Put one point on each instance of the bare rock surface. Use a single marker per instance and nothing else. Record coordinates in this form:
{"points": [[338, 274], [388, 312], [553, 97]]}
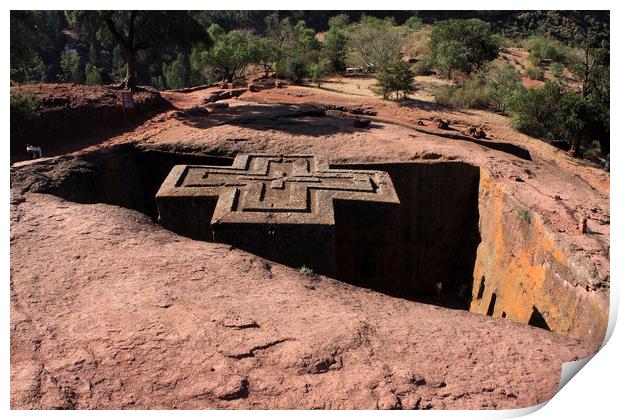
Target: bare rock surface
{"points": [[119, 313], [109, 310]]}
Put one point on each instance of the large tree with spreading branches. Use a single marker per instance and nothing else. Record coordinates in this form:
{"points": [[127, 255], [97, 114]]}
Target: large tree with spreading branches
{"points": [[136, 30]]}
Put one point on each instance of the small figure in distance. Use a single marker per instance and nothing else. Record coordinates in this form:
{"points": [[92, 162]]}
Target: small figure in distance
{"points": [[438, 287], [34, 151]]}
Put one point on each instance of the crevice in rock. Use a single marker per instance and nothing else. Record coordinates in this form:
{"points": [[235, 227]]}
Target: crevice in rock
{"points": [[491, 308], [538, 320]]}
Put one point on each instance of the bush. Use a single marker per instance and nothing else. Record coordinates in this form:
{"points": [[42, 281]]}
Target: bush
{"points": [[306, 271], [319, 70], [535, 73], [414, 23], [424, 67], [557, 70], [545, 48], [524, 215], [296, 68], [396, 76], [24, 106], [30, 72], [93, 77], [467, 95], [496, 86], [71, 67], [556, 113]]}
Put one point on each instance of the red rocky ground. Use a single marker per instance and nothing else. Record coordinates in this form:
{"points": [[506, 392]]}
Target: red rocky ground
{"points": [[109, 310]]}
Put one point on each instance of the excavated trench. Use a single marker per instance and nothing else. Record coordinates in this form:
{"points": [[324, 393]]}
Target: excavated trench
{"points": [[459, 243]]}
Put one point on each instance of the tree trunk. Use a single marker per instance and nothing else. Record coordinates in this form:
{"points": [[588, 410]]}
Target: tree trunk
{"points": [[575, 147], [131, 79]]}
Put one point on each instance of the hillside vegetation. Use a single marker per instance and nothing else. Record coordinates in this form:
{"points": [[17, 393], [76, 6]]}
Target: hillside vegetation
{"points": [[559, 93]]}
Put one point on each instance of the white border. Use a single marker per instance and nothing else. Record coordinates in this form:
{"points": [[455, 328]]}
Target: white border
{"points": [[592, 394]]}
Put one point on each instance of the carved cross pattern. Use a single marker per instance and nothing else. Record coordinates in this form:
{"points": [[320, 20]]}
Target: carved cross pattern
{"points": [[277, 189]]}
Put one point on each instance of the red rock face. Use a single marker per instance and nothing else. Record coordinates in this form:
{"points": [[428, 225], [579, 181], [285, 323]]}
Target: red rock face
{"points": [[118, 312], [110, 310]]}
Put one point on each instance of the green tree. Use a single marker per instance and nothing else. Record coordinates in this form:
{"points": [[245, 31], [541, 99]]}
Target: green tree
{"points": [[231, 53], [295, 47], [280, 33], [176, 74], [591, 67], [138, 31], [335, 44], [396, 76], [373, 43], [319, 70], [196, 66], [36, 44], [449, 56], [462, 45], [93, 76], [71, 67], [266, 54]]}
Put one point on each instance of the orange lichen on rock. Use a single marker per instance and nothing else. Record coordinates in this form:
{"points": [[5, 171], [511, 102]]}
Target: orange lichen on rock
{"points": [[522, 274]]}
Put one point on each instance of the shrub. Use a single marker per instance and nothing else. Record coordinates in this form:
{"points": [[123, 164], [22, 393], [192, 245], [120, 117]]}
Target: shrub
{"points": [[545, 48], [556, 113], [468, 95], [396, 76], [306, 271], [24, 106], [93, 77], [535, 73], [524, 215], [414, 23], [296, 68], [70, 67], [319, 70], [557, 70], [424, 67], [496, 86]]}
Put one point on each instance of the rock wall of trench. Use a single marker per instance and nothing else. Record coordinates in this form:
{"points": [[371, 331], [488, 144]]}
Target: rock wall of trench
{"points": [[457, 226], [524, 274]]}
